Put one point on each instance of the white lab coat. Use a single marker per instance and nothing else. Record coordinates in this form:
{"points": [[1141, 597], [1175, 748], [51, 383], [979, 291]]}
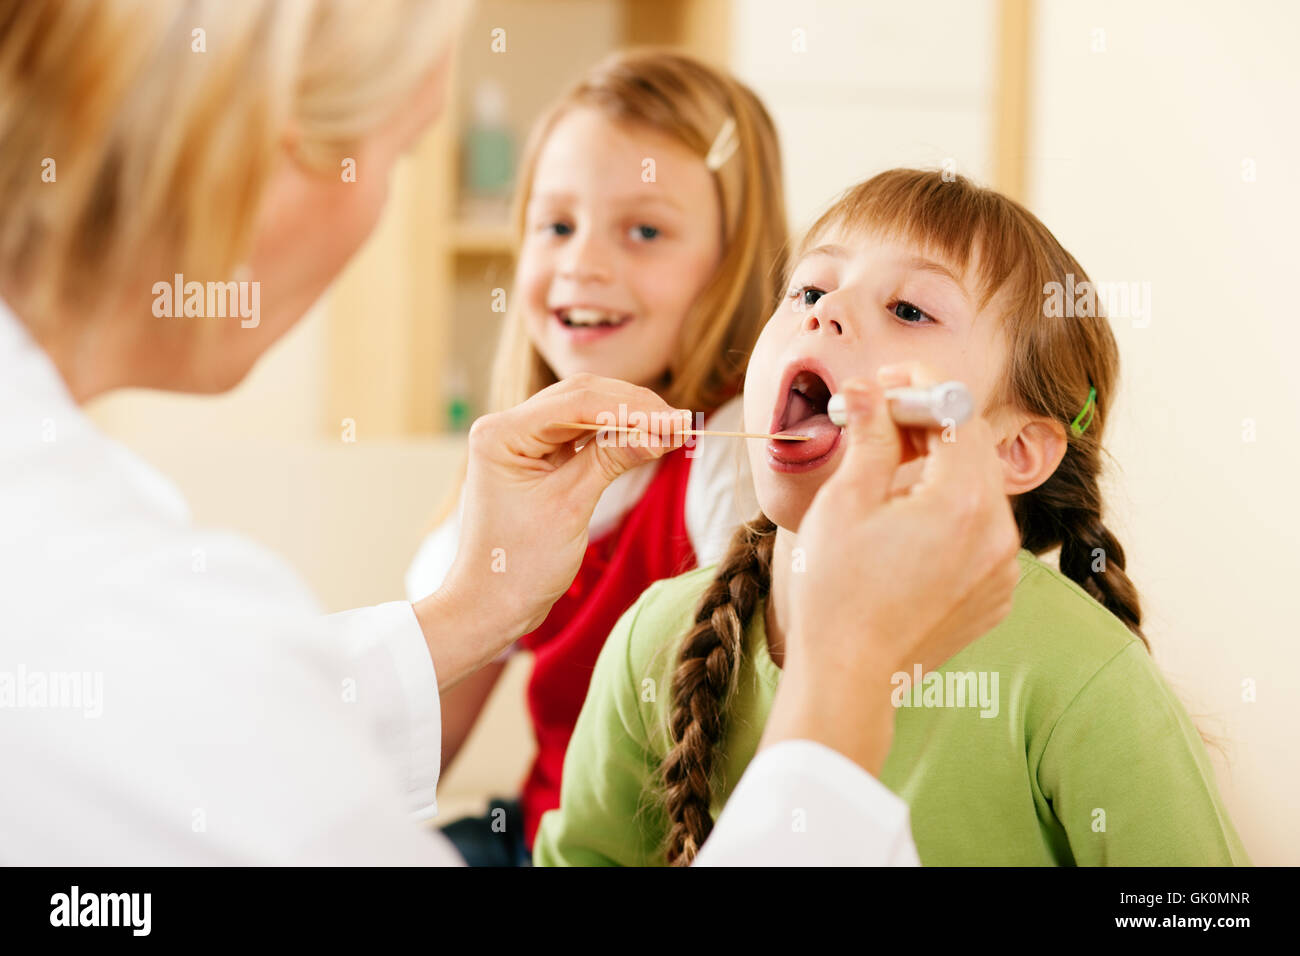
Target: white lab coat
{"points": [[173, 695]]}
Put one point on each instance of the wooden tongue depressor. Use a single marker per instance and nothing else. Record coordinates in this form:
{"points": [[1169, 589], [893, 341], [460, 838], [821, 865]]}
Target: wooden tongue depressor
{"points": [[688, 431], [935, 406]]}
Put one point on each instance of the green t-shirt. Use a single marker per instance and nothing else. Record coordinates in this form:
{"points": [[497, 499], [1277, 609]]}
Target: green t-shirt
{"points": [[1085, 756]]}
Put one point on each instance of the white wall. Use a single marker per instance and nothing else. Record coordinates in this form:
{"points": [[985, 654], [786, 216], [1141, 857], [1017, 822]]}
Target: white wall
{"points": [[1137, 166], [1136, 163], [875, 85], [283, 397]]}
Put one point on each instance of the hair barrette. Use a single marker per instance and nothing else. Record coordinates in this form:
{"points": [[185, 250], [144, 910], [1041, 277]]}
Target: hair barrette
{"points": [[1078, 426], [724, 144]]}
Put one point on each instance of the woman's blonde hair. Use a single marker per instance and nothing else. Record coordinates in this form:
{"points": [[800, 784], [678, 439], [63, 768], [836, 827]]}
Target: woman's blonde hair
{"points": [[690, 102], [136, 128], [1056, 368]]}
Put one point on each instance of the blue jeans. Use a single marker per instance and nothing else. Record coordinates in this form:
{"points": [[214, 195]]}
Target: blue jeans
{"points": [[495, 839]]}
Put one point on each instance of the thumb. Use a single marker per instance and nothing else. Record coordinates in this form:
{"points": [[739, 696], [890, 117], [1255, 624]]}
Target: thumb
{"points": [[875, 445], [609, 455]]}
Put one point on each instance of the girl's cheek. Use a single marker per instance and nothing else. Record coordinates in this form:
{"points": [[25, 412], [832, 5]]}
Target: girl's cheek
{"points": [[768, 341], [668, 285], [653, 289], [759, 373], [761, 379], [532, 281]]}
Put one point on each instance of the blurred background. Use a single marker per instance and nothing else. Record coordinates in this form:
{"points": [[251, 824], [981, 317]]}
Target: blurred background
{"points": [[1152, 138]]}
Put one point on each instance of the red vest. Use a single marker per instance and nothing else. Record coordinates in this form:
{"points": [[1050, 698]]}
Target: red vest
{"points": [[650, 543]]}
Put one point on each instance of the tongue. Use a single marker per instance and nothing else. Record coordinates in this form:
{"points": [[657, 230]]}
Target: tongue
{"points": [[819, 429], [799, 408]]}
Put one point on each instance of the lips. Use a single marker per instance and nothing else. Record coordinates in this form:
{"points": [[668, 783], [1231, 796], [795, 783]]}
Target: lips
{"points": [[801, 410]]}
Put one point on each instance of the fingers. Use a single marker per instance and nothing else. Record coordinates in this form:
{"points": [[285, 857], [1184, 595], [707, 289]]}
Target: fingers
{"points": [[592, 470], [962, 486], [962, 471], [908, 373], [530, 429], [606, 455], [912, 373], [875, 445], [960, 461]]}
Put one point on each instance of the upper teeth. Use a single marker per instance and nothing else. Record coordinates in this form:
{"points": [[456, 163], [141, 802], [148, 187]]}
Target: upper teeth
{"points": [[590, 317], [803, 386]]}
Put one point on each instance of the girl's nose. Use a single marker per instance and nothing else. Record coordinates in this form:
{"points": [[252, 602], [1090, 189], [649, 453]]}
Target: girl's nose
{"points": [[815, 324], [585, 260], [826, 318]]}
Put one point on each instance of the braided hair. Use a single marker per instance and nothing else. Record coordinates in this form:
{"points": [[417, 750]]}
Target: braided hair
{"points": [[704, 681]]}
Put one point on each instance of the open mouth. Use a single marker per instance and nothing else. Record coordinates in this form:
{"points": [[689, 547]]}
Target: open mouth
{"points": [[590, 320], [801, 410]]}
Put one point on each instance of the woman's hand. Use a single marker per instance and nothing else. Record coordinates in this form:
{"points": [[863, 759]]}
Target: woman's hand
{"points": [[891, 581], [529, 496]]}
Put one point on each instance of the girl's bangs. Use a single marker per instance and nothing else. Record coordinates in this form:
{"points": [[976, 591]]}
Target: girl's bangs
{"points": [[953, 221]]}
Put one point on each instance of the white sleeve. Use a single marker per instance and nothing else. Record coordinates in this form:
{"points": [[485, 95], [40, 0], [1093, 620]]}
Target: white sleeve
{"points": [[207, 712], [231, 725], [387, 651], [801, 803], [720, 490]]}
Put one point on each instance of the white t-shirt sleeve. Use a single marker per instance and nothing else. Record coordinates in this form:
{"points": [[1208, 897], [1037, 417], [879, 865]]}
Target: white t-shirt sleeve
{"points": [[800, 803], [720, 490], [434, 558]]}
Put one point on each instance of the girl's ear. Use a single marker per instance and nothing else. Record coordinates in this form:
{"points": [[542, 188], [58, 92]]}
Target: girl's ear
{"points": [[1030, 453]]}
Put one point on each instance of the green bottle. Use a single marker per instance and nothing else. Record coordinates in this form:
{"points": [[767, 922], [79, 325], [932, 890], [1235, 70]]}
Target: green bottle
{"points": [[489, 146]]}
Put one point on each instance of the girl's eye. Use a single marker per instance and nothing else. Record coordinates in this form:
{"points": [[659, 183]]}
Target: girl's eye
{"points": [[909, 313], [644, 232], [558, 228], [806, 295]]}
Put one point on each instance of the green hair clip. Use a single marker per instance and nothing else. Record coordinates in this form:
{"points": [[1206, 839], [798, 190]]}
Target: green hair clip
{"points": [[1089, 407]]}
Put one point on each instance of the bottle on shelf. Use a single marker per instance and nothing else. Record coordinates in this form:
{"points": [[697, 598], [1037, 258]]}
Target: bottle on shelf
{"points": [[488, 157]]}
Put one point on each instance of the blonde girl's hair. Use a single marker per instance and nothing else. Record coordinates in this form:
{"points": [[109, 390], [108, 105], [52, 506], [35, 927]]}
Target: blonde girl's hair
{"points": [[1052, 366], [137, 131], [692, 102]]}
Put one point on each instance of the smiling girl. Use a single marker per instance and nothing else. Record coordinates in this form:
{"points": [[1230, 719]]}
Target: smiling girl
{"points": [[650, 217], [1085, 756]]}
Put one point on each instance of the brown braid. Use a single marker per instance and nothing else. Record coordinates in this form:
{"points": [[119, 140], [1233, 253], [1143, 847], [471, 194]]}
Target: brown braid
{"points": [[1066, 510], [704, 681]]}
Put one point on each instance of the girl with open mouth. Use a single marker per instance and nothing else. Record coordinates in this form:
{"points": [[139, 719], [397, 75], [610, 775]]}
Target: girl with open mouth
{"points": [[1087, 756]]}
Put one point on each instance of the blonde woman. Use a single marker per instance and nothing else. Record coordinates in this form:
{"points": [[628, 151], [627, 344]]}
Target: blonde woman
{"points": [[211, 728]]}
